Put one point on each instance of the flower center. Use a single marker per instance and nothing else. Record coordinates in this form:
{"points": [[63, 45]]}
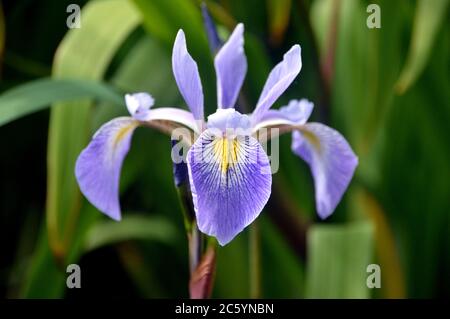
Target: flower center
{"points": [[226, 152]]}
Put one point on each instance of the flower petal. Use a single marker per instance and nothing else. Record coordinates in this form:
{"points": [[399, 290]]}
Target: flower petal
{"points": [[230, 183], [297, 112], [187, 77], [98, 166], [231, 67], [229, 120], [139, 104], [278, 81], [332, 163], [175, 116]]}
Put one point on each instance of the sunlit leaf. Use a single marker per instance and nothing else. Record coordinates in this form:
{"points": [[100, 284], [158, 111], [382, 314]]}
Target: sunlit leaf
{"points": [[84, 53], [320, 15], [338, 259]]}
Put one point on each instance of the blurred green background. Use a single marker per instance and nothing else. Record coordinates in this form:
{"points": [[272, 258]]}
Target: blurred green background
{"points": [[386, 90]]}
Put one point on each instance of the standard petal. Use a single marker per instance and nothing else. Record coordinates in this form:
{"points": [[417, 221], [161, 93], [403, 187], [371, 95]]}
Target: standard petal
{"points": [[231, 67], [187, 77], [230, 183], [332, 163], [98, 166], [297, 112], [278, 81]]}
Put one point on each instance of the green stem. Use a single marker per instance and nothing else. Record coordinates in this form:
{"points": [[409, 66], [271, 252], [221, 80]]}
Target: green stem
{"points": [[195, 247], [255, 261], [195, 238]]}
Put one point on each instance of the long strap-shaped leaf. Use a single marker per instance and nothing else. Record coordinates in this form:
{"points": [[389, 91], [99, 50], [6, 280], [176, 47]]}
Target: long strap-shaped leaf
{"points": [[84, 53], [428, 20], [37, 95], [338, 260]]}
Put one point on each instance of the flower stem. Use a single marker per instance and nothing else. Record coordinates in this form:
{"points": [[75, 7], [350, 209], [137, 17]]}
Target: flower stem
{"points": [[255, 261], [195, 247], [202, 278], [195, 237]]}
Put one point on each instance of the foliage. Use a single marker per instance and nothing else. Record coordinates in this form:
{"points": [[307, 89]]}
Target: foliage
{"points": [[388, 92]]}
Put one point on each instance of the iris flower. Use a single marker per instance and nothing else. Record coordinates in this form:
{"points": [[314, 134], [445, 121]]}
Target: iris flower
{"points": [[230, 189]]}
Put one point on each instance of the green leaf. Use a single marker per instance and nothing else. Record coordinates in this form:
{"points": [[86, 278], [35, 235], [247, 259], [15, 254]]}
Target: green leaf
{"points": [[280, 11], [84, 53], [162, 19], [2, 30], [321, 16], [46, 277], [415, 192], [130, 228], [338, 259], [37, 95], [430, 14], [43, 278], [282, 271], [232, 264], [148, 68]]}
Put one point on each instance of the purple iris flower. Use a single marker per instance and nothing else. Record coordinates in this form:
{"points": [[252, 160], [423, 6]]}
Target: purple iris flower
{"points": [[230, 189]]}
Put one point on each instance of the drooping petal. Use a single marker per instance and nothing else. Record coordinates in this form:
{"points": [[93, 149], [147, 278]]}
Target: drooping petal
{"points": [[139, 104], [331, 160], [278, 81], [231, 67], [297, 112], [98, 166], [187, 77], [230, 183]]}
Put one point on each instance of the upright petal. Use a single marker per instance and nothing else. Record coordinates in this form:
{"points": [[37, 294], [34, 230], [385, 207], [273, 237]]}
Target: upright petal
{"points": [[98, 166], [278, 81], [231, 67], [230, 183], [187, 77], [297, 112], [332, 163]]}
